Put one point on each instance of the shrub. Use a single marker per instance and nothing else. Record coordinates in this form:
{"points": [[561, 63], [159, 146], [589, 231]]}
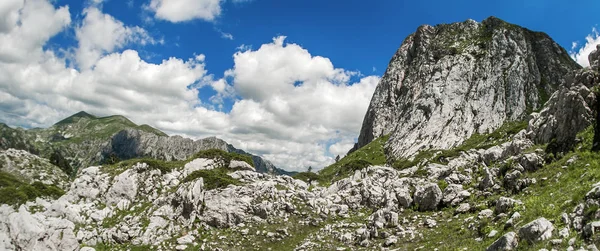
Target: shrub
{"points": [[227, 157]]}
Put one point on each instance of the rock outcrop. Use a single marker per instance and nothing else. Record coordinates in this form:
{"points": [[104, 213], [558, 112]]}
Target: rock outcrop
{"points": [[448, 82]]}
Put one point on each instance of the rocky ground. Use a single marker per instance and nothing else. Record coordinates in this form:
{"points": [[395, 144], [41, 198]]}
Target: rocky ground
{"points": [[501, 197]]}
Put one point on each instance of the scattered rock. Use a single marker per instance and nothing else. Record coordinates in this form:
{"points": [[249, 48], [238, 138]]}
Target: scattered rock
{"points": [[508, 241], [428, 196], [537, 230]]}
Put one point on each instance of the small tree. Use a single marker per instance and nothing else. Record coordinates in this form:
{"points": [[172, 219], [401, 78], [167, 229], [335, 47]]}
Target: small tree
{"points": [[310, 169], [337, 158]]}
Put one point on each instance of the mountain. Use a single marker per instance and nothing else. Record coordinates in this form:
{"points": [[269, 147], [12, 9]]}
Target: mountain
{"points": [[450, 81], [530, 183], [83, 139]]}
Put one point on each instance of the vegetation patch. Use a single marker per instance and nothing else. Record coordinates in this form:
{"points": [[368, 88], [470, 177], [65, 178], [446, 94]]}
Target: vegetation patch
{"points": [[371, 154], [15, 192], [214, 178], [226, 157]]}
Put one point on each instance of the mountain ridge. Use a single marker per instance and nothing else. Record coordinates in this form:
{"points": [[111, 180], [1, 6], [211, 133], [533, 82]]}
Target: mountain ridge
{"points": [[83, 139]]}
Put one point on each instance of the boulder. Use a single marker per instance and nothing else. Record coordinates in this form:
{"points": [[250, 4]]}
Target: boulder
{"points": [[241, 165], [537, 230], [504, 204], [508, 241], [454, 194], [428, 196]]}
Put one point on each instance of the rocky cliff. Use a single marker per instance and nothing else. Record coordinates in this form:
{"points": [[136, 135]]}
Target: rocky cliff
{"points": [[448, 82]]}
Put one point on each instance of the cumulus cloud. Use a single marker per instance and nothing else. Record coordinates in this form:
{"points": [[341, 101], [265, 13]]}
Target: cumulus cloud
{"points": [[25, 26], [581, 55], [287, 105], [185, 10], [289, 95], [100, 33]]}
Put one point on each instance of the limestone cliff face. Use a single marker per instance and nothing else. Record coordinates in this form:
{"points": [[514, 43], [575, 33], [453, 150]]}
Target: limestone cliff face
{"points": [[449, 81]]}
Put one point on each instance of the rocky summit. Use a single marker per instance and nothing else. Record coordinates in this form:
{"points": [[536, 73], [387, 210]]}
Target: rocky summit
{"points": [[450, 81], [480, 136]]}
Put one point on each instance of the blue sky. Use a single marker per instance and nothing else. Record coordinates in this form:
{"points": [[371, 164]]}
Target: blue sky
{"points": [[355, 35], [289, 80]]}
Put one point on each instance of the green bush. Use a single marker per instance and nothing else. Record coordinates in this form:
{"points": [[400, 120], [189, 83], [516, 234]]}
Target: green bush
{"points": [[227, 157], [214, 178], [307, 177]]}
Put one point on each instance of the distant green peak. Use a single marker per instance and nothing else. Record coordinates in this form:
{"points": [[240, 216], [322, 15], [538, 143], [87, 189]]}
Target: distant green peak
{"points": [[74, 117]]}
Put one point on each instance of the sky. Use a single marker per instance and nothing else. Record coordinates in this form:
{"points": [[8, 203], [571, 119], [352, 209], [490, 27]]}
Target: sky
{"points": [[289, 80]]}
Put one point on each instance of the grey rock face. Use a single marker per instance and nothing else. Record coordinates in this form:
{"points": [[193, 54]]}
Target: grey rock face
{"points": [[131, 143], [594, 59], [508, 241], [454, 194], [428, 196], [537, 230], [447, 82], [568, 111], [504, 204]]}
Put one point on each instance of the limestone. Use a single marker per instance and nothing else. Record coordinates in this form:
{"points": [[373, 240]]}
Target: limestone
{"points": [[568, 111], [594, 59], [441, 87], [537, 230], [454, 194], [508, 241], [428, 196], [504, 204]]}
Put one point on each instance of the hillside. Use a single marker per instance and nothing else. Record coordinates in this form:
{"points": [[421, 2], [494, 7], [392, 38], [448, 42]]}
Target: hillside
{"points": [[83, 139]]}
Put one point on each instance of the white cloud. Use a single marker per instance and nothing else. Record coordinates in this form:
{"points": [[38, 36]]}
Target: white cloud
{"points": [[341, 148], [101, 33], [25, 26], [291, 96], [224, 35], [581, 55], [185, 10], [288, 105]]}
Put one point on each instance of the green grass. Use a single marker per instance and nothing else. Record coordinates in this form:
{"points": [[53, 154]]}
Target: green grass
{"points": [[213, 178], [168, 166], [227, 157], [15, 192], [371, 154]]}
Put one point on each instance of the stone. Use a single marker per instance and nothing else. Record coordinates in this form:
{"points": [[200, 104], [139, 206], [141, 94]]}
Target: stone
{"points": [[404, 198], [463, 208], [241, 165], [488, 179], [537, 230], [454, 194], [531, 162], [504, 204], [492, 234], [428, 196], [591, 228], [391, 240], [508, 241], [486, 213]]}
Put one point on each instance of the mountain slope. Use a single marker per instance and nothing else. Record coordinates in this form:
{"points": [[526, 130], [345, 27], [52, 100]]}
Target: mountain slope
{"points": [[448, 82], [83, 139]]}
